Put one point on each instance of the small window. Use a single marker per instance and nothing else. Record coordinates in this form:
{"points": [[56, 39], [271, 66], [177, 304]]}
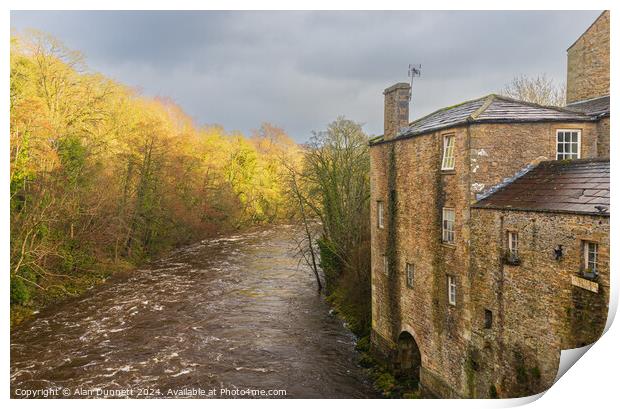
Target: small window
{"points": [[386, 265], [513, 244], [448, 225], [590, 252], [447, 163], [488, 319], [409, 270], [380, 214], [452, 290], [568, 144]]}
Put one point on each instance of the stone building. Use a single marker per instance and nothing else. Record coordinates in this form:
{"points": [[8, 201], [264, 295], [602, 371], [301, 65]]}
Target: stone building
{"points": [[468, 275], [539, 274], [587, 73]]}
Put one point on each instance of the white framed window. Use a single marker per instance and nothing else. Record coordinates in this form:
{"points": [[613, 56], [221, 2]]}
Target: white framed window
{"points": [[447, 235], [447, 162], [409, 270], [452, 290], [568, 144], [380, 214], [513, 243], [386, 265], [590, 253]]}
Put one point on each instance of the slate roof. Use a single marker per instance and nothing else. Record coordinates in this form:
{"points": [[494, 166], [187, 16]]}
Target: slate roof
{"points": [[490, 108], [443, 118], [571, 186], [596, 106]]}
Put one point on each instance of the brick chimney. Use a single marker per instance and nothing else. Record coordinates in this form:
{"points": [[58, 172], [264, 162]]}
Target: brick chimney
{"points": [[396, 112]]}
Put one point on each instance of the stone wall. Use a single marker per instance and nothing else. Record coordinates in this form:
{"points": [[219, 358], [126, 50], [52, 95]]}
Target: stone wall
{"points": [[495, 155], [603, 138], [537, 309], [588, 63]]}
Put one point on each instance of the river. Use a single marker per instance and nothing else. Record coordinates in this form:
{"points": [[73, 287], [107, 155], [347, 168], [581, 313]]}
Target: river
{"points": [[225, 317]]}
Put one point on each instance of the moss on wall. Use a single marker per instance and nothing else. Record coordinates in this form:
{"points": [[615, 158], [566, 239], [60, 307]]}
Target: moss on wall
{"points": [[391, 251], [587, 315]]}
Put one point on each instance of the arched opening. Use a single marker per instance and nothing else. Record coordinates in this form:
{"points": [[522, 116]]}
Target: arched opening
{"points": [[409, 359]]}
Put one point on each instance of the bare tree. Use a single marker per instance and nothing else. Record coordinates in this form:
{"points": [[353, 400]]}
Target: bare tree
{"points": [[305, 246], [332, 188], [539, 90]]}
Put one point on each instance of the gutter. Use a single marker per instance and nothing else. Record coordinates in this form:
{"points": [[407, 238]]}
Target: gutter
{"points": [[525, 209]]}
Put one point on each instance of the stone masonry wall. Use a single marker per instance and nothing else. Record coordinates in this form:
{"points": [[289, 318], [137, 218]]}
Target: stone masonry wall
{"points": [[603, 138], [439, 329], [536, 308], [588, 63], [495, 155]]}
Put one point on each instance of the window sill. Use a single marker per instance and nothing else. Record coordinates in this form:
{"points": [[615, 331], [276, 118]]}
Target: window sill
{"points": [[512, 263], [592, 276], [448, 245], [448, 172]]}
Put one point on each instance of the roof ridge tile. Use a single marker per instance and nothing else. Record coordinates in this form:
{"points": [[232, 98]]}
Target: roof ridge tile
{"points": [[488, 101]]}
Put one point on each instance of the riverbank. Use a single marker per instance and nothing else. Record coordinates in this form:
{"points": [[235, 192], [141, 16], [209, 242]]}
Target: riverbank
{"points": [[63, 288], [381, 376]]}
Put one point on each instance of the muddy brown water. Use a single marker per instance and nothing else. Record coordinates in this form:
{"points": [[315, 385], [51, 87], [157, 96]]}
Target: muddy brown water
{"points": [[232, 315]]}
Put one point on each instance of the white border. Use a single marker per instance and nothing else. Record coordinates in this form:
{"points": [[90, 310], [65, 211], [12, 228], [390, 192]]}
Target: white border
{"points": [[592, 382]]}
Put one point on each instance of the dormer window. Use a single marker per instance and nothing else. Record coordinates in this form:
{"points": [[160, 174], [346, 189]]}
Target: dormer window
{"points": [[447, 163], [568, 144]]}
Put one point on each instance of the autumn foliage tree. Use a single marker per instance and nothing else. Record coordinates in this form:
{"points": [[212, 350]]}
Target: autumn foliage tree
{"points": [[103, 177]]}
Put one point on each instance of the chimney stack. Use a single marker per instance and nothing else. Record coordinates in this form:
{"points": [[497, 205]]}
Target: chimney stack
{"points": [[396, 112]]}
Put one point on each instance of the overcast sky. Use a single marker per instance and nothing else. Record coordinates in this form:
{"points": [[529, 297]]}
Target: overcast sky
{"points": [[300, 70]]}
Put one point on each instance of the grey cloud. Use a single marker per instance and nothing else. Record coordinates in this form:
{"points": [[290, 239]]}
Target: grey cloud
{"points": [[302, 69]]}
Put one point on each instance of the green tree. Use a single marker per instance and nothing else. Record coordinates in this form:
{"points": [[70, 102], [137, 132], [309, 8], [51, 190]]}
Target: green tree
{"points": [[333, 187]]}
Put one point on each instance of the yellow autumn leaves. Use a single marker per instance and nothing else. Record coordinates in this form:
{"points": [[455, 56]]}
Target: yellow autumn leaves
{"points": [[100, 174]]}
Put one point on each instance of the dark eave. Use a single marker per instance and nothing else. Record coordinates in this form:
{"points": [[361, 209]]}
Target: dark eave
{"points": [[598, 107]]}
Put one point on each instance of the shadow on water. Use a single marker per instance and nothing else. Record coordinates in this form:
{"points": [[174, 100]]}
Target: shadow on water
{"points": [[234, 312]]}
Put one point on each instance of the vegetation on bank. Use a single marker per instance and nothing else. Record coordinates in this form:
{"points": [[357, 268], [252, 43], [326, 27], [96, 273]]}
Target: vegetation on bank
{"points": [[103, 178], [332, 185]]}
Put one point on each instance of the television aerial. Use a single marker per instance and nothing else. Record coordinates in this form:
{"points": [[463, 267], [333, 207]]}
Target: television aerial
{"points": [[415, 70]]}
